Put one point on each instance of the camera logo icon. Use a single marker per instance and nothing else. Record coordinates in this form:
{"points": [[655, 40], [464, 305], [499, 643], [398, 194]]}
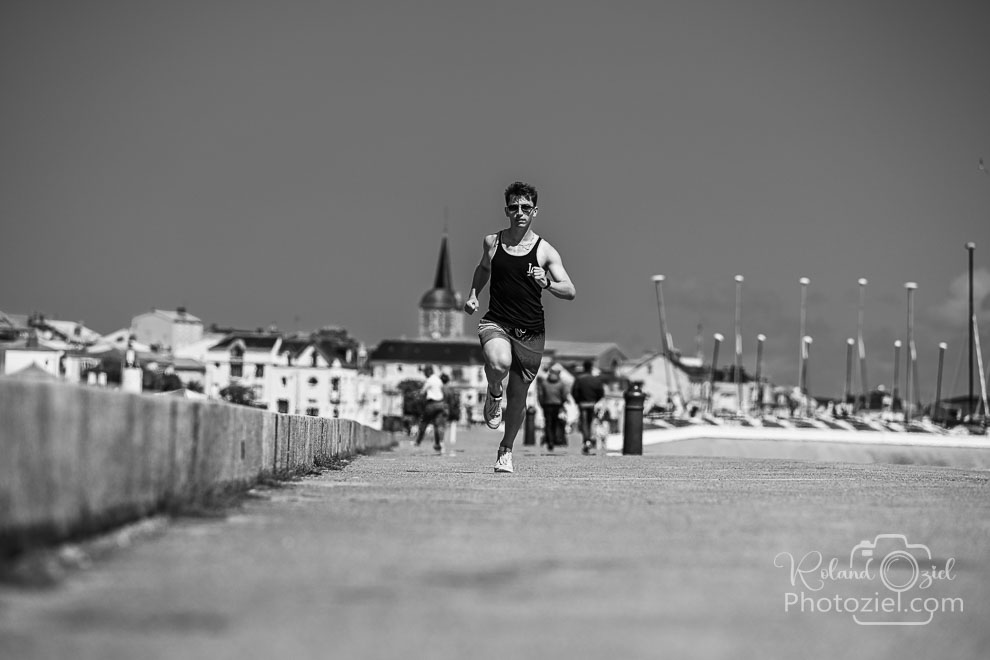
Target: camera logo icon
{"points": [[900, 565], [897, 562]]}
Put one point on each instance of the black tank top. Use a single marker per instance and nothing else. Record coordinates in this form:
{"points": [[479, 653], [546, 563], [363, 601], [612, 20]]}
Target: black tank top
{"points": [[514, 297]]}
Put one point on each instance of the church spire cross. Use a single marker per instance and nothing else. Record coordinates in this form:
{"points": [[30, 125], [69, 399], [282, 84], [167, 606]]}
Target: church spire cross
{"points": [[443, 279]]}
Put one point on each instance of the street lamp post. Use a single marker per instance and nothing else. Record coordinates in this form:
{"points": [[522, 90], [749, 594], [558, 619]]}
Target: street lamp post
{"points": [[805, 354], [711, 379], [804, 281], [897, 365], [910, 357], [759, 372], [738, 369], [849, 362], [862, 344], [937, 406]]}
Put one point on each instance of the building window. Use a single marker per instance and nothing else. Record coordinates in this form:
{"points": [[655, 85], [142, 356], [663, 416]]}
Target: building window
{"points": [[283, 405], [313, 382], [336, 412], [335, 384], [313, 412], [315, 358], [285, 381], [259, 371], [236, 361]]}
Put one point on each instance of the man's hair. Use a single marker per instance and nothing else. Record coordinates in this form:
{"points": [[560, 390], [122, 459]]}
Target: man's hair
{"points": [[428, 371], [444, 378], [588, 364], [520, 189]]}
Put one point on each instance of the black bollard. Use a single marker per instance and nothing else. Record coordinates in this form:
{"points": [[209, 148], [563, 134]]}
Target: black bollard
{"points": [[632, 436], [529, 434]]}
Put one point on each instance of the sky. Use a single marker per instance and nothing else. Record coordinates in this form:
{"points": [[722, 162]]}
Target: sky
{"points": [[292, 163]]}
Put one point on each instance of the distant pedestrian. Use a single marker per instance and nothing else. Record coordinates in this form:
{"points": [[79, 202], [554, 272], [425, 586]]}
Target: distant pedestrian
{"points": [[587, 390], [452, 399], [521, 266], [434, 409], [552, 392]]}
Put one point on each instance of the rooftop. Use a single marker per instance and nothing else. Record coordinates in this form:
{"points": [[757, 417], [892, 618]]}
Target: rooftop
{"points": [[252, 341], [423, 351], [179, 315]]}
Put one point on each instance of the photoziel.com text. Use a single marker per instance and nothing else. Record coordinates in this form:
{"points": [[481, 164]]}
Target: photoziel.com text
{"points": [[904, 575]]}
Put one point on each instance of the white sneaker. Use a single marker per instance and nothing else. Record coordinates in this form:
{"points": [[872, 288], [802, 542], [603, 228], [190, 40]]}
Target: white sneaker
{"points": [[504, 461], [493, 410]]}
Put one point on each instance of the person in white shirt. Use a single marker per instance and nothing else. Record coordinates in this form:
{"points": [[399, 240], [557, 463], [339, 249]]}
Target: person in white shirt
{"points": [[434, 409]]}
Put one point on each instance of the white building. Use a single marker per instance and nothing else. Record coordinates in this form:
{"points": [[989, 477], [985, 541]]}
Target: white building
{"points": [[664, 380], [119, 339], [189, 361], [396, 360], [167, 329], [242, 358], [607, 357], [317, 374], [684, 382], [315, 383], [27, 353], [53, 332]]}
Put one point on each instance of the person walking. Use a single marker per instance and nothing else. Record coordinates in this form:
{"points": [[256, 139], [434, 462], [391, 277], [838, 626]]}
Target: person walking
{"points": [[452, 399], [521, 265], [587, 390], [552, 392], [434, 409]]}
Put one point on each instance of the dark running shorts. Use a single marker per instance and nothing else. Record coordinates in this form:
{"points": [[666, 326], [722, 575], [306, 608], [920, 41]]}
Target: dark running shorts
{"points": [[526, 345]]}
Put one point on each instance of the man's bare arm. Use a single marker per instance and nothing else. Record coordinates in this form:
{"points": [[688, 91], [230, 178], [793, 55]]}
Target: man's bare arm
{"points": [[553, 272], [481, 274]]}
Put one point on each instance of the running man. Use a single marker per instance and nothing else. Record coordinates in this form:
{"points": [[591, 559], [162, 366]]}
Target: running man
{"points": [[434, 409], [521, 266]]}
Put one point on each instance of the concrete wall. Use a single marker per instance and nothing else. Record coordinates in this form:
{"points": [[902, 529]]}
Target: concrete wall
{"points": [[77, 460]]}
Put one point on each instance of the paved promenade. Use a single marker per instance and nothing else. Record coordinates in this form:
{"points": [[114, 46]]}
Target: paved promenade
{"points": [[407, 554]]}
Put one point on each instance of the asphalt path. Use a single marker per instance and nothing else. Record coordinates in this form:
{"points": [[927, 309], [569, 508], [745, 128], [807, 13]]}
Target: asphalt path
{"points": [[416, 555]]}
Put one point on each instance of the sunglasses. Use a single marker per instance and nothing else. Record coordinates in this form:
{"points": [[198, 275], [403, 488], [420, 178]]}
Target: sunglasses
{"points": [[525, 209]]}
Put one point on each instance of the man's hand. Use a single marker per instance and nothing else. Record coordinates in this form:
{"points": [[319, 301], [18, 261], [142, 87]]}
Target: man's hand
{"points": [[540, 276], [471, 305]]}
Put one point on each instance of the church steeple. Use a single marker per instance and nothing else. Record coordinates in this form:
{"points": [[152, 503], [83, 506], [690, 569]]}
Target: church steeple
{"points": [[442, 279], [440, 314]]}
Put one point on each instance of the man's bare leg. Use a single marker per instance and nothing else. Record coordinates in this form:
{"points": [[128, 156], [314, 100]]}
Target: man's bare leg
{"points": [[515, 408], [498, 359]]}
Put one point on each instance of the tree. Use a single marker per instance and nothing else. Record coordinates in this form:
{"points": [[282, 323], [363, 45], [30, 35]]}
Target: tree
{"points": [[110, 365], [238, 394], [412, 401], [171, 382]]}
